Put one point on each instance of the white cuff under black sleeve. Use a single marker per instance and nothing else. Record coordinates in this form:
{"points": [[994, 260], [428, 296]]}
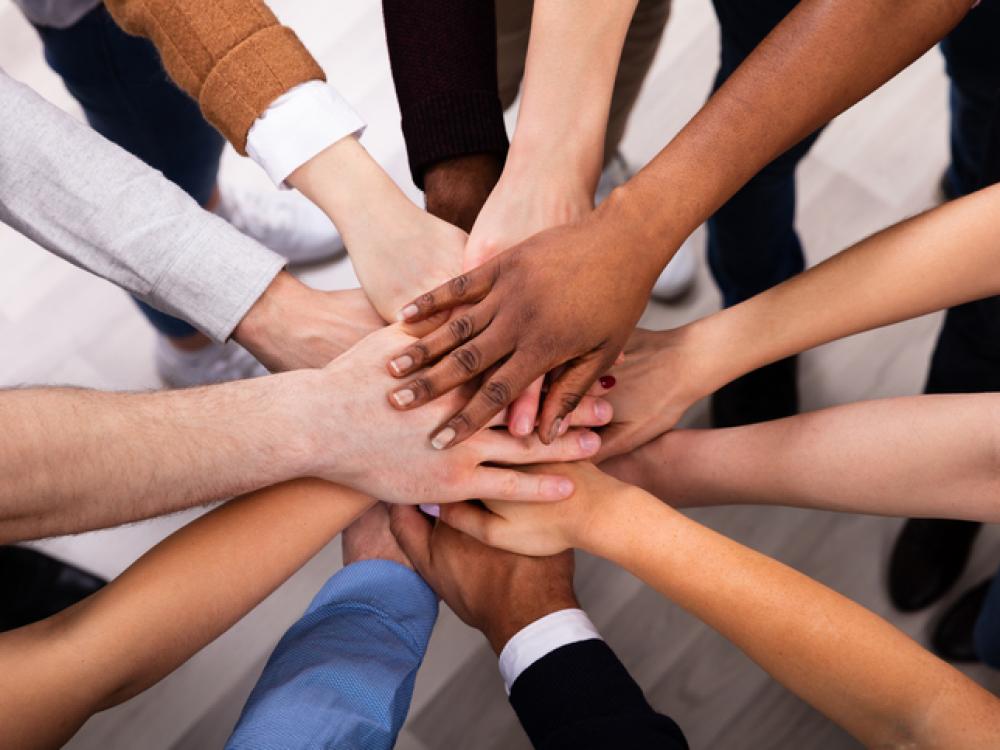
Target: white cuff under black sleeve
{"points": [[541, 638]]}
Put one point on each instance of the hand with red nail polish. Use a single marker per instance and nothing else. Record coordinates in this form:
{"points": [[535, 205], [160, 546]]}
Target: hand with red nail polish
{"points": [[651, 390]]}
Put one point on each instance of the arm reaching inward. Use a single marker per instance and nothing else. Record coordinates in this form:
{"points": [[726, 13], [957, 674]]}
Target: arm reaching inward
{"points": [[572, 283], [566, 684], [934, 456], [74, 460], [444, 67], [95, 205], [176, 599], [261, 88], [558, 146], [852, 665], [907, 270]]}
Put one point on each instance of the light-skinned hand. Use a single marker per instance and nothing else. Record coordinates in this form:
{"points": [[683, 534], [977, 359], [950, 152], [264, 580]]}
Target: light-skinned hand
{"points": [[541, 529], [385, 453]]}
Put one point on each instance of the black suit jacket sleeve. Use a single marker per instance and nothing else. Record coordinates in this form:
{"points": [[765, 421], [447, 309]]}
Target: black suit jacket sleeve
{"points": [[444, 65], [581, 696]]}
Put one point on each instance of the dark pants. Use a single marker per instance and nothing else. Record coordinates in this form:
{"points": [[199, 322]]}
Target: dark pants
{"points": [[752, 240], [127, 97], [753, 244]]}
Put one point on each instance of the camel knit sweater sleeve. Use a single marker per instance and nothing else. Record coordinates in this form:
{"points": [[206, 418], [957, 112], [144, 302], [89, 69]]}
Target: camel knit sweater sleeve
{"points": [[232, 56]]}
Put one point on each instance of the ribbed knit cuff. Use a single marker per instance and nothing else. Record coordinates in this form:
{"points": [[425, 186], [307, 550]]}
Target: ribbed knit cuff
{"points": [[452, 125], [253, 74]]}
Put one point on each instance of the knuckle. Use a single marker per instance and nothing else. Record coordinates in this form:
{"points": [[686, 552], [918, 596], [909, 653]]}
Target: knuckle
{"points": [[422, 388], [570, 401], [459, 285], [419, 352], [497, 392], [460, 423], [425, 300], [509, 484], [468, 359], [461, 328]]}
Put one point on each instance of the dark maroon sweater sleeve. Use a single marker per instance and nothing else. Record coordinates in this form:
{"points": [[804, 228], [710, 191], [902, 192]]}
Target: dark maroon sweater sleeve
{"points": [[444, 64]]}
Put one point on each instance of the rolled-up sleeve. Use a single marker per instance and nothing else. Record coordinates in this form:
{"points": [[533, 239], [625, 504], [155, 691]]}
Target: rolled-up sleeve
{"points": [[343, 675]]}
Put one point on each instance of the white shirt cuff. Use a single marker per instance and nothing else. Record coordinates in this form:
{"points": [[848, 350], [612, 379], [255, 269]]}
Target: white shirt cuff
{"points": [[541, 638], [299, 124]]}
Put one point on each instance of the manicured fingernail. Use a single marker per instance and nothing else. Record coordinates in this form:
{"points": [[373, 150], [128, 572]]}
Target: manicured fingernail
{"points": [[403, 397], [523, 425], [603, 411], [431, 509], [443, 439], [607, 382], [401, 364], [589, 441], [554, 431], [407, 312]]}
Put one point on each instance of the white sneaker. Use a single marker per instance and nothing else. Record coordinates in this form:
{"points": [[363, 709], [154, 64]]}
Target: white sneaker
{"points": [[616, 173], [215, 363], [283, 220], [677, 279]]}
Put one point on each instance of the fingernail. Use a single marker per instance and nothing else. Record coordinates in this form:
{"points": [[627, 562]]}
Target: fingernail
{"points": [[607, 382], [523, 425], [589, 441], [403, 397], [431, 509], [554, 432], [401, 364], [603, 411], [564, 428], [564, 488], [407, 312], [443, 439]]}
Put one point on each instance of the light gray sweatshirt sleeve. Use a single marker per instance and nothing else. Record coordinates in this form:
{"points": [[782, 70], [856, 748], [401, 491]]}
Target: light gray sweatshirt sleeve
{"points": [[95, 205]]}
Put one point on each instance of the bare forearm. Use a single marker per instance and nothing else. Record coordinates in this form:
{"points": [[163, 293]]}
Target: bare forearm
{"points": [[930, 456], [397, 249], [570, 70], [74, 460], [821, 59], [176, 599], [902, 272], [850, 664]]}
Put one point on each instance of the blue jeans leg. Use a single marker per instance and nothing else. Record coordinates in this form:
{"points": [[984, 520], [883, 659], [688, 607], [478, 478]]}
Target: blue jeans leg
{"points": [[752, 242]]}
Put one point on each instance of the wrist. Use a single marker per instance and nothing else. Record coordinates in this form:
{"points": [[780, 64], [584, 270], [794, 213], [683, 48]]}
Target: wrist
{"points": [[617, 524], [263, 321], [350, 187], [518, 614], [573, 161], [456, 189], [311, 405], [281, 413]]}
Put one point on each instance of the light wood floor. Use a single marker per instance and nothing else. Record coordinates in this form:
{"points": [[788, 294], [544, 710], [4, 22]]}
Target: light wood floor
{"points": [[876, 164]]}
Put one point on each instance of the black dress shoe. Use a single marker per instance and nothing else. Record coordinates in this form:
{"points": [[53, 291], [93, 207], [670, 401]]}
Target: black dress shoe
{"points": [[759, 396], [34, 586], [927, 559], [953, 638]]}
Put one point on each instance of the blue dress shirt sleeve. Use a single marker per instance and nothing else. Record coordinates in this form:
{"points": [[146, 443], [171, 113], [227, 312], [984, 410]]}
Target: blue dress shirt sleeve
{"points": [[343, 675]]}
